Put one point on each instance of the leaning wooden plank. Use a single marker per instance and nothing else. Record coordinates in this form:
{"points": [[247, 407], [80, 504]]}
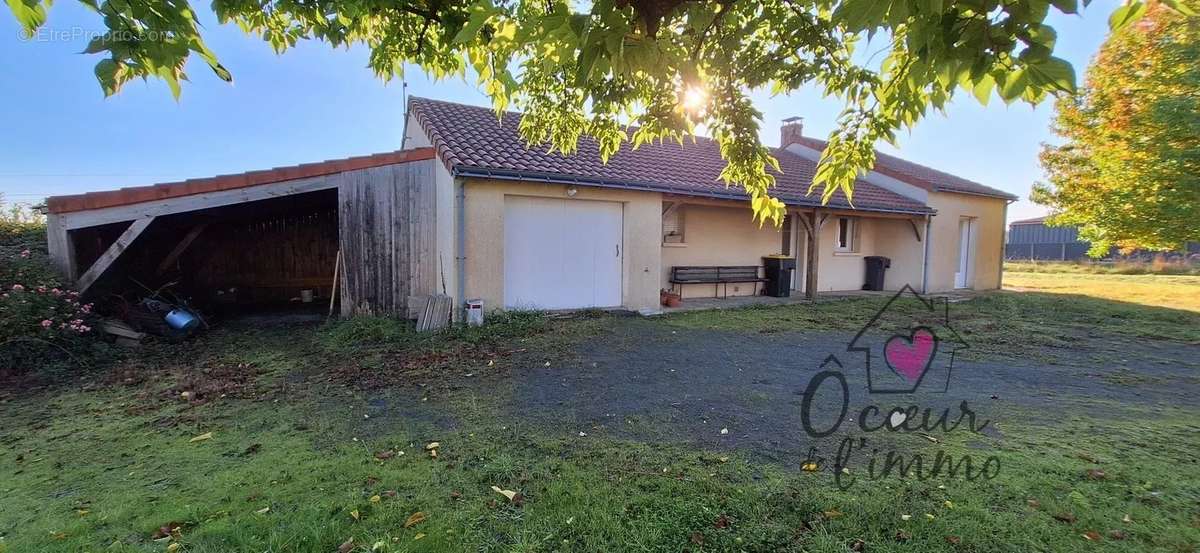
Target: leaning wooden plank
{"points": [[180, 248], [337, 276], [113, 252], [441, 315], [119, 328]]}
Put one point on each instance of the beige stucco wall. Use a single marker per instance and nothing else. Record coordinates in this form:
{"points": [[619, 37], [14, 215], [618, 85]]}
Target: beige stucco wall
{"points": [[895, 239], [892, 238], [944, 240], [484, 209], [716, 235]]}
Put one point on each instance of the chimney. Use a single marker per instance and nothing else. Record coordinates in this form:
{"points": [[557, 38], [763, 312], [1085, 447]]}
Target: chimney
{"points": [[791, 131]]}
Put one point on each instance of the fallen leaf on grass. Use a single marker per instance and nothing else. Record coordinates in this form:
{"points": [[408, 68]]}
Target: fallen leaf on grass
{"points": [[1092, 535], [1116, 535], [263, 510], [390, 493], [809, 467], [697, 538], [506, 493], [418, 536], [722, 522], [1096, 474], [166, 530], [1065, 517], [1126, 519], [379, 545], [455, 495], [201, 438], [953, 540], [930, 438], [346, 547], [902, 536], [832, 513], [858, 545], [354, 514], [376, 499], [1033, 503], [905, 517], [385, 455], [414, 519], [432, 446]]}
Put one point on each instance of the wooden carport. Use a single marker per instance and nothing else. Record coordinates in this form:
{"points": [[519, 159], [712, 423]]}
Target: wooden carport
{"points": [[385, 222]]}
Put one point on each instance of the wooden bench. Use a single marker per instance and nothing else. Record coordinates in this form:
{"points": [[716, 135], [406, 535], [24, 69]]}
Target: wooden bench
{"points": [[718, 276]]}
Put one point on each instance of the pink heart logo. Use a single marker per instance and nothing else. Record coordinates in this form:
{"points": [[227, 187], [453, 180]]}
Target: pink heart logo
{"points": [[910, 356]]}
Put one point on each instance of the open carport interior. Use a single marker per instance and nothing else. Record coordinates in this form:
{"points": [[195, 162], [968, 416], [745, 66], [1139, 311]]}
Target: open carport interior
{"points": [[273, 254]]}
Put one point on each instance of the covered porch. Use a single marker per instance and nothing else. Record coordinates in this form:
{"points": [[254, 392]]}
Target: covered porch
{"points": [[830, 247]]}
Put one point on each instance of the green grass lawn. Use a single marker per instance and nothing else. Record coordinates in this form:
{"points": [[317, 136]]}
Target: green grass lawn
{"points": [[1173, 291], [261, 460]]}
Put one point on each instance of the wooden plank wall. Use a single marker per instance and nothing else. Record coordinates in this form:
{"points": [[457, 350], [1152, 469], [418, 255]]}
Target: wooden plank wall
{"points": [[387, 235], [266, 260]]}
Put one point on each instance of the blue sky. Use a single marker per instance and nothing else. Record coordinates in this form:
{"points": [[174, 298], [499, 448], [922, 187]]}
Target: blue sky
{"points": [[312, 103]]}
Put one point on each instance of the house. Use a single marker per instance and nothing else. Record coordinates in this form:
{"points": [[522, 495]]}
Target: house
{"points": [[466, 210]]}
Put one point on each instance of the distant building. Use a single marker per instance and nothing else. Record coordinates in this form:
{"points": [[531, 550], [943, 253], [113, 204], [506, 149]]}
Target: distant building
{"points": [[1032, 239]]}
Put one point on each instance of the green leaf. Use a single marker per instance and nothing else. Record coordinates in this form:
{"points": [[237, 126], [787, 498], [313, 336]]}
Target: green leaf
{"points": [[1066, 6], [1014, 85], [983, 89], [31, 14], [1056, 73], [1124, 15], [106, 73]]}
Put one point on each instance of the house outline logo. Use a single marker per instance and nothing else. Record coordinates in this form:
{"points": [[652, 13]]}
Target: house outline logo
{"points": [[908, 348]]}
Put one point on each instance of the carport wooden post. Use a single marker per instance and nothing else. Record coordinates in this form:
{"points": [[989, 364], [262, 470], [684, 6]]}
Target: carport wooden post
{"points": [[812, 227], [113, 252]]}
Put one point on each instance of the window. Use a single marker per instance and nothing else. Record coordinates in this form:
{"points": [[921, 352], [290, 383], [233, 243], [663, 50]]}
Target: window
{"points": [[672, 224], [847, 235]]}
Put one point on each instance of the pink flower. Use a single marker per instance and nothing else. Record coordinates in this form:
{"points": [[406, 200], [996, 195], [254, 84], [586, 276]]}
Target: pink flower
{"points": [[18, 287], [25, 253], [46, 323]]}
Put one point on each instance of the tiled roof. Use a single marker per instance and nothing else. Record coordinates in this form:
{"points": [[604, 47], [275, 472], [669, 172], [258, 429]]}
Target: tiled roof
{"points": [[472, 141], [1033, 221], [139, 194], [920, 175]]}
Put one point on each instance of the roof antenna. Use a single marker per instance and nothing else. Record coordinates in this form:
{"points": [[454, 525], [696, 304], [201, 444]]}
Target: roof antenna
{"points": [[404, 100]]}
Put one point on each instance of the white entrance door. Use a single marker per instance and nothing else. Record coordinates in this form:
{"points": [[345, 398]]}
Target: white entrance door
{"points": [[562, 253], [961, 275]]}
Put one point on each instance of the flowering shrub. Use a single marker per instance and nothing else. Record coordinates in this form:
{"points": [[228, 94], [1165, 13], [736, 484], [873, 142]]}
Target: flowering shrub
{"points": [[44, 327]]}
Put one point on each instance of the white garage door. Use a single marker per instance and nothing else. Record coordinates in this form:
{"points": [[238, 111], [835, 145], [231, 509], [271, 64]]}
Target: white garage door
{"points": [[561, 253]]}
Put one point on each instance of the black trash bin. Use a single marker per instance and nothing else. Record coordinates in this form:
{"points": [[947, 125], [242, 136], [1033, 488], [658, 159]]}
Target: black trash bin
{"points": [[778, 269], [876, 266]]}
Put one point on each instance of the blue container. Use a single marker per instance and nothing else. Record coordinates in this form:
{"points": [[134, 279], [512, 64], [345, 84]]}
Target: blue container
{"points": [[179, 319]]}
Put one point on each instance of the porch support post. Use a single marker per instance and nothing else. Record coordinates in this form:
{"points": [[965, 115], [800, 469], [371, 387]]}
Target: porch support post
{"points": [[812, 227]]}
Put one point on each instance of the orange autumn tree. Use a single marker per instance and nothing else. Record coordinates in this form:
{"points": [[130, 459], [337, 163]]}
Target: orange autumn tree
{"points": [[1128, 174]]}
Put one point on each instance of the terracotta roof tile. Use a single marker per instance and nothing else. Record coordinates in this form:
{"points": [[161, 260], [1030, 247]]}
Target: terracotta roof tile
{"points": [[471, 140], [920, 175], [153, 192]]}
